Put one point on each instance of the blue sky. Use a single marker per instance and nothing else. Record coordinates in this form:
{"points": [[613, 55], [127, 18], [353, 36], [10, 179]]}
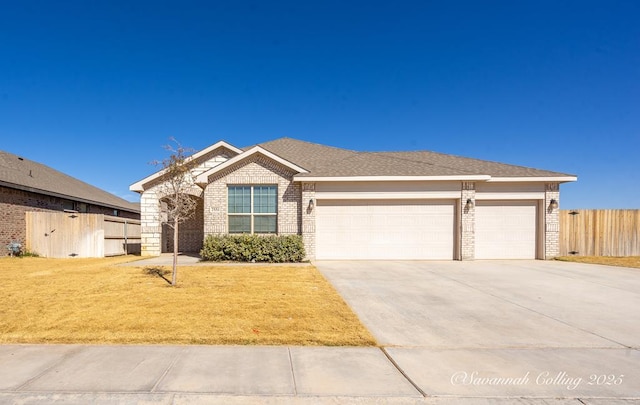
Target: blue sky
{"points": [[95, 89]]}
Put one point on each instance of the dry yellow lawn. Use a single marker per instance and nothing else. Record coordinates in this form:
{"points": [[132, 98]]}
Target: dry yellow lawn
{"points": [[630, 261], [95, 301]]}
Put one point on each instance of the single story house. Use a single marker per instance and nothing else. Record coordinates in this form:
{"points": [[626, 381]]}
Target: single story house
{"points": [[27, 186], [347, 204]]}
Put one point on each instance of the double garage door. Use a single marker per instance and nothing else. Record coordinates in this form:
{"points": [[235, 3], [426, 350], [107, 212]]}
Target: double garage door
{"points": [[385, 229], [421, 229]]}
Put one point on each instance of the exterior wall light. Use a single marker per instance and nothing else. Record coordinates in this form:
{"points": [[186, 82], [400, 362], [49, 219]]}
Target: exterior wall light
{"points": [[311, 204], [553, 204], [469, 204]]}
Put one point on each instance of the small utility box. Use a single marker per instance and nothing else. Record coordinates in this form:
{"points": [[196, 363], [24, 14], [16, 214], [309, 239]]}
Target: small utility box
{"points": [[14, 248]]}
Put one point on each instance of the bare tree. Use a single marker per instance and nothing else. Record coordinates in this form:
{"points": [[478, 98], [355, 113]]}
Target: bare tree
{"points": [[178, 181]]}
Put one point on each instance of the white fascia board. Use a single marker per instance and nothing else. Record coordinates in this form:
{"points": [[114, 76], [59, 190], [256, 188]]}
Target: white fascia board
{"points": [[214, 147], [558, 179], [139, 186], [394, 178], [203, 178]]}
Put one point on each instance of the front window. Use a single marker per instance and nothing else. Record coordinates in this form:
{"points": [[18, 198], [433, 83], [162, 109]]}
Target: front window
{"points": [[253, 209]]}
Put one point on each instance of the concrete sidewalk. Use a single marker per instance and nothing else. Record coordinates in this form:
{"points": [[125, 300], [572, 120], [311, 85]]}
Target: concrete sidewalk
{"points": [[80, 374], [196, 374]]}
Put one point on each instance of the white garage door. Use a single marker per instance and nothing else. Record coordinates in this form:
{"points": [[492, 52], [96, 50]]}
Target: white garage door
{"points": [[506, 229], [384, 229]]}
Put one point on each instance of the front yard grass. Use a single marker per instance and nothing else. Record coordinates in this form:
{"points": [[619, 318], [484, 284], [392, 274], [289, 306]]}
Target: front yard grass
{"points": [[629, 261], [95, 301]]}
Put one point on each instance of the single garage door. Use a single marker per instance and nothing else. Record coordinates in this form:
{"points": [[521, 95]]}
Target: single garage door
{"points": [[385, 229], [506, 229]]}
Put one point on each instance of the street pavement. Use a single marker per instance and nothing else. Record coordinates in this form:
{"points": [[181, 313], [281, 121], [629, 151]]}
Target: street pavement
{"points": [[522, 332]]}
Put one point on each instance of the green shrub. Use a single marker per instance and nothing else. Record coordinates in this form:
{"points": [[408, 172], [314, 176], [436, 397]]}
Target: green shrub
{"points": [[28, 253], [253, 248]]}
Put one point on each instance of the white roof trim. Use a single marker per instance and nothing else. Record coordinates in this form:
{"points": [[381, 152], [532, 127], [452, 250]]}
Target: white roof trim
{"points": [[204, 177], [139, 186], [557, 179], [394, 178]]}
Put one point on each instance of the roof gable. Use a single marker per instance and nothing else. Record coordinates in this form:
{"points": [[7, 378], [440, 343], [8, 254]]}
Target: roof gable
{"points": [[141, 185], [203, 178]]}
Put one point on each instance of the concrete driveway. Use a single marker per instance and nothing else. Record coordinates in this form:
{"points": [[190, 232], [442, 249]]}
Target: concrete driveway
{"points": [[502, 328]]}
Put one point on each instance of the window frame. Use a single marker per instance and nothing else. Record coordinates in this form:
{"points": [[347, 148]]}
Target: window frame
{"points": [[252, 214]]}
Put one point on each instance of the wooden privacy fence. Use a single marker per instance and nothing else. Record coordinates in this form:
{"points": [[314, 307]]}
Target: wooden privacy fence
{"points": [[63, 234], [600, 232]]}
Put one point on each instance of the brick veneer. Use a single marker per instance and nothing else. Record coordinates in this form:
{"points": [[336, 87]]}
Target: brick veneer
{"points": [[295, 215], [467, 221], [151, 228], [157, 237], [309, 219], [255, 170], [191, 232], [211, 216], [14, 204], [552, 221]]}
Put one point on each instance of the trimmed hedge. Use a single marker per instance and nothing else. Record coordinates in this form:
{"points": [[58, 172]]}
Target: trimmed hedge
{"points": [[253, 248]]}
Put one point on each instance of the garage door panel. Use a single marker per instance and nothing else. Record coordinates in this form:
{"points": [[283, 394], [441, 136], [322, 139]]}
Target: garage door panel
{"points": [[382, 229], [506, 229]]}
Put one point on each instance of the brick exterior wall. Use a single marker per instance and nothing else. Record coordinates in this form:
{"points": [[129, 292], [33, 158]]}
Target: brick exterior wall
{"points": [[294, 215], [151, 228], [467, 221], [14, 204], [309, 220], [211, 215], [552, 221], [253, 171], [157, 237], [190, 232]]}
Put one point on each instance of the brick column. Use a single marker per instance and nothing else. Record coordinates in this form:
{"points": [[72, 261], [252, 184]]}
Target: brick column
{"points": [[309, 219], [551, 221], [467, 221], [215, 209], [151, 228]]}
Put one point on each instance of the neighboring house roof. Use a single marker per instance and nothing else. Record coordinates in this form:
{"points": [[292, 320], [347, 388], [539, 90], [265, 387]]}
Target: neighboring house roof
{"points": [[24, 174], [329, 162]]}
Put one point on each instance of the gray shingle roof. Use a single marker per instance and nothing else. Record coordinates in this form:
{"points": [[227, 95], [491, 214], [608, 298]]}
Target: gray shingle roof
{"points": [[327, 161], [311, 156], [25, 174]]}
